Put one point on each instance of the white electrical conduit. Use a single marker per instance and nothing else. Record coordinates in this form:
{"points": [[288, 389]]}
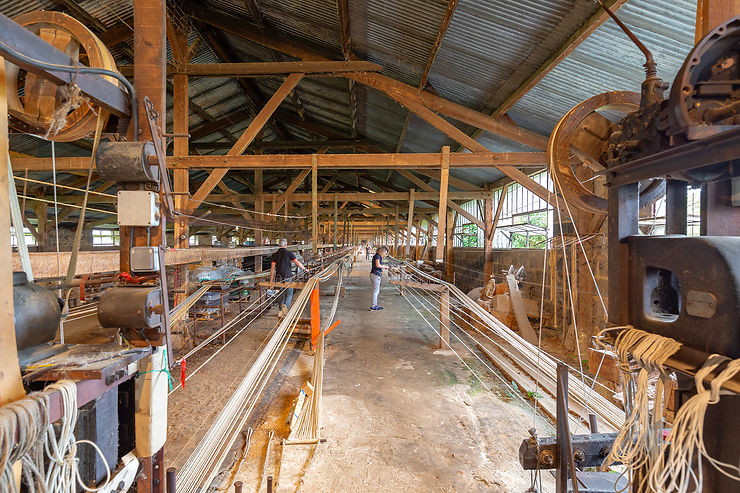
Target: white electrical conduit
{"points": [[202, 466]]}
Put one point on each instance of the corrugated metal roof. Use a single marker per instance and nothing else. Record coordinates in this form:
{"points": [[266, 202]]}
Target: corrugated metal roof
{"points": [[491, 46], [607, 61]]}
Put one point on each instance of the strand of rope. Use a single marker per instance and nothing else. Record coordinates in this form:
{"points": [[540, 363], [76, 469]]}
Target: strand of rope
{"points": [[473, 372], [251, 211], [639, 439], [264, 305], [59, 185], [682, 454], [431, 309], [307, 423], [66, 204], [611, 415], [201, 467], [48, 458]]}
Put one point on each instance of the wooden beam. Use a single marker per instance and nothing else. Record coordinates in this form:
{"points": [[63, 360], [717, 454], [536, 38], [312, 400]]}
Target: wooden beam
{"points": [[11, 385], [346, 42], [459, 112], [453, 132], [499, 208], [442, 214], [295, 197], [291, 144], [303, 161], [247, 137], [451, 6], [410, 221], [315, 204], [265, 69], [452, 205], [488, 237]]}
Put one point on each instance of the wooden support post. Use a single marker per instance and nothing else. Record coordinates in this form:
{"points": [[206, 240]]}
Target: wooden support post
{"points": [[449, 267], [314, 202], [11, 385], [442, 215], [488, 237], [150, 51], [395, 240], [417, 248], [410, 221], [259, 208], [181, 184], [444, 319]]}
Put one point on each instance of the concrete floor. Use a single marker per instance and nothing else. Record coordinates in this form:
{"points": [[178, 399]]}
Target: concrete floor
{"points": [[396, 414]]}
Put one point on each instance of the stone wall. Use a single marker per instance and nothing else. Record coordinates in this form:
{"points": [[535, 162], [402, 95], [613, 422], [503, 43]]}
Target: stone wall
{"points": [[469, 274]]}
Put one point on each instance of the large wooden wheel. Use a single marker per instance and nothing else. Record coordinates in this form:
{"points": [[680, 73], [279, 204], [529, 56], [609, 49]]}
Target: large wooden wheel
{"points": [[575, 151], [32, 100]]}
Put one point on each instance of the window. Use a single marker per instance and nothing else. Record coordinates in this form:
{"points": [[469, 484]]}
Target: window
{"points": [[30, 239], [652, 222], [525, 220], [193, 240], [105, 237]]}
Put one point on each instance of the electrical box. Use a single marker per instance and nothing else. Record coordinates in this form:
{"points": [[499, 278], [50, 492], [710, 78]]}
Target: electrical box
{"points": [[144, 259], [138, 208]]}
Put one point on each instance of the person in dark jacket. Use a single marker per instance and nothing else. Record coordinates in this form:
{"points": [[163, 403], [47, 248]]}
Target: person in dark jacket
{"points": [[281, 268], [376, 272]]}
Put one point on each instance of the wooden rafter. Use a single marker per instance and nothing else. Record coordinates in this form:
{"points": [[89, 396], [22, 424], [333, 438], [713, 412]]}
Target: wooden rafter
{"points": [[290, 47], [346, 41], [247, 137], [449, 12]]}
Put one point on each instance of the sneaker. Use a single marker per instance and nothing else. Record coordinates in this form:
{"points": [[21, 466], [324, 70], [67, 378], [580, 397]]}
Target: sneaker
{"points": [[378, 307]]}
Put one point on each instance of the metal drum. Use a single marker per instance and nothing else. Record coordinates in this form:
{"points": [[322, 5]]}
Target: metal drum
{"points": [[126, 162], [36, 313]]}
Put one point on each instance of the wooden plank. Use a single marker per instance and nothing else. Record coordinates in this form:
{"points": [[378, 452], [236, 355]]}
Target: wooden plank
{"points": [[421, 161], [444, 319], [488, 237], [44, 264], [520, 313], [410, 221], [442, 214], [247, 137], [270, 285], [499, 208]]}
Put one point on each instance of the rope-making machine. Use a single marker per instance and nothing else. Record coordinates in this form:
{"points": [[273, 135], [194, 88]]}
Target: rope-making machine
{"points": [[611, 155]]}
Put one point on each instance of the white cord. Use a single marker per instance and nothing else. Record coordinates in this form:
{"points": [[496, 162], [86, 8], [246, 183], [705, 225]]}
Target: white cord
{"points": [[679, 465], [639, 440]]}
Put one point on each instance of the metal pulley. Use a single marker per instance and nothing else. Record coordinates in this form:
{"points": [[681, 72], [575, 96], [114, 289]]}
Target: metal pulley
{"points": [[131, 308], [126, 162]]}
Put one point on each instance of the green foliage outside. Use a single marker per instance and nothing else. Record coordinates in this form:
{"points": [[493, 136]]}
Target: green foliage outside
{"points": [[469, 236], [519, 240]]}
